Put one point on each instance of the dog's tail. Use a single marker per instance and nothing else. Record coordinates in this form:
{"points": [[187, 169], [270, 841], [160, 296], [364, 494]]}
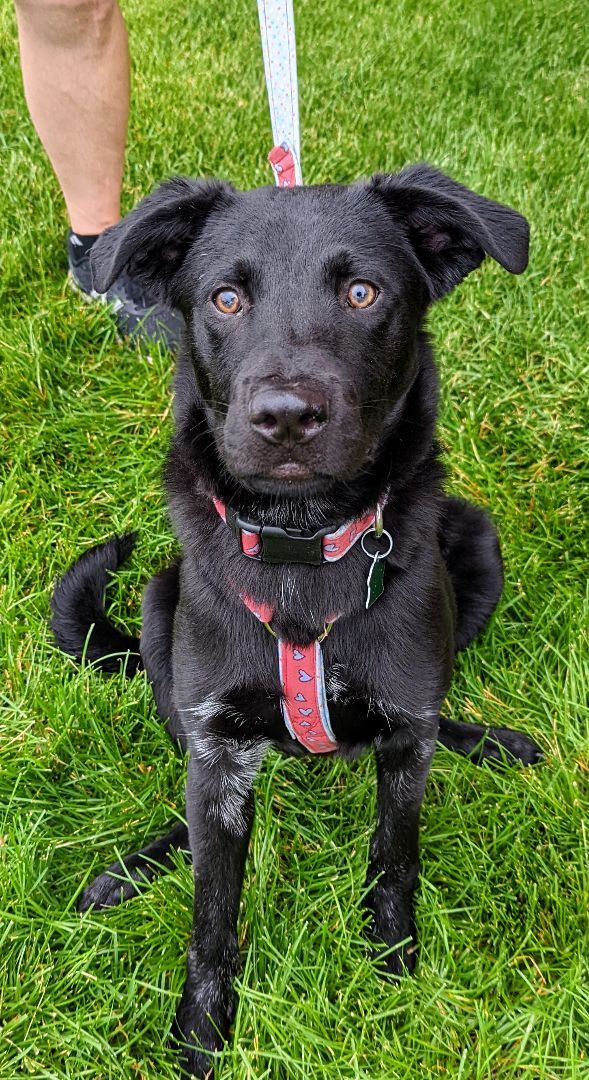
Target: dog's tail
{"points": [[481, 743], [79, 621]]}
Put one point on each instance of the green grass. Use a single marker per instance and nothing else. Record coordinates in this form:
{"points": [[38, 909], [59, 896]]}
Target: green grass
{"points": [[495, 93]]}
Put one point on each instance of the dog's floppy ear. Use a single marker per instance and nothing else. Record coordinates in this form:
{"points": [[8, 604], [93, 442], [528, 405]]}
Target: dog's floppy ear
{"points": [[153, 240], [450, 228]]}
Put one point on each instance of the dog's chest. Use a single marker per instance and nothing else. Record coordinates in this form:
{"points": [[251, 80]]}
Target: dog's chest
{"points": [[359, 692], [375, 670]]}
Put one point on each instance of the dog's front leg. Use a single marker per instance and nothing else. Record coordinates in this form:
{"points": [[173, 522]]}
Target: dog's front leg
{"points": [[402, 769], [220, 809]]}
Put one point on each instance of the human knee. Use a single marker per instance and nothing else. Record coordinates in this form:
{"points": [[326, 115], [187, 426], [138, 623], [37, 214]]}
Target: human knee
{"points": [[67, 23]]}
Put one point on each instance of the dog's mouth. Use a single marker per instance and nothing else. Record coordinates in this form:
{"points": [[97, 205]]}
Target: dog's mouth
{"points": [[289, 478], [295, 478], [293, 471]]}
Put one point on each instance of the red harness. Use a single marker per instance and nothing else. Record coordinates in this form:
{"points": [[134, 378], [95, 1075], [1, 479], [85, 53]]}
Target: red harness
{"points": [[302, 676]]}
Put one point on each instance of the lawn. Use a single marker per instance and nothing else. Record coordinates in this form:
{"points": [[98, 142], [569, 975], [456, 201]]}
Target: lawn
{"points": [[496, 94]]}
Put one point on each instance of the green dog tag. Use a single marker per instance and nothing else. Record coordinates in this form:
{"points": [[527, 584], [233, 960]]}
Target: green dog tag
{"points": [[375, 581]]}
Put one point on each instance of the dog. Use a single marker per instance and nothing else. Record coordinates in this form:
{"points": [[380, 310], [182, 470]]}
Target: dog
{"points": [[326, 581]]}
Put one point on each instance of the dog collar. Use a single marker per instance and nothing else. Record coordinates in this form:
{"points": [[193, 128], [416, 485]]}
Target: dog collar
{"points": [[273, 544]]}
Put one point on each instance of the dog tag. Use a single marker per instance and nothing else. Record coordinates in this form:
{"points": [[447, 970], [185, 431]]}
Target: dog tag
{"points": [[375, 580]]}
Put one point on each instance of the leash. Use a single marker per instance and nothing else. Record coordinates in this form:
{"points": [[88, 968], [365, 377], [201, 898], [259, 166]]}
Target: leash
{"points": [[277, 30]]}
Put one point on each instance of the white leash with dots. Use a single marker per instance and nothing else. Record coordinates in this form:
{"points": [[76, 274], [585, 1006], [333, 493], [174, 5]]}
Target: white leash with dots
{"points": [[280, 66]]}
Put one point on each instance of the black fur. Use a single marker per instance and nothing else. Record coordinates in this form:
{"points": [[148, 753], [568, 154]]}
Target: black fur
{"points": [[290, 257], [79, 622]]}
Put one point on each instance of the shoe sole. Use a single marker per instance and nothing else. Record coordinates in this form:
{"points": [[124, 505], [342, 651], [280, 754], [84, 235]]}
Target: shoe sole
{"points": [[94, 297], [87, 297]]}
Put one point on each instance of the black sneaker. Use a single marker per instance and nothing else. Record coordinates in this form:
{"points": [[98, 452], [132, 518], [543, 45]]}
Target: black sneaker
{"points": [[137, 314]]}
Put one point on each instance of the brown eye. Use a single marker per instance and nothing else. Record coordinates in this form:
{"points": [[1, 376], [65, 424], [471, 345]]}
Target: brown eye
{"points": [[227, 301], [361, 294]]}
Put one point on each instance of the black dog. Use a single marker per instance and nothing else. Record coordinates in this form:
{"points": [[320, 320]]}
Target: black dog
{"points": [[305, 399]]}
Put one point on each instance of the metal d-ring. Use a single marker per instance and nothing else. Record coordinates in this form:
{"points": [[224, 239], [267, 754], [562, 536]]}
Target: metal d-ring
{"points": [[377, 554]]}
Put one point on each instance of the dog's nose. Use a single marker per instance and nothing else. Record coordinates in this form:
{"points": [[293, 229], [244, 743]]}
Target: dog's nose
{"points": [[289, 415]]}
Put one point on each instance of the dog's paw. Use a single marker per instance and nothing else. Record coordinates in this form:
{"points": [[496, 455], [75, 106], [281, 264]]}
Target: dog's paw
{"points": [[392, 931], [119, 882], [393, 959], [511, 747], [201, 1026], [195, 1063]]}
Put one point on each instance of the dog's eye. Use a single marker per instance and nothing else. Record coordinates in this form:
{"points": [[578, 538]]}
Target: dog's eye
{"points": [[227, 301], [361, 294]]}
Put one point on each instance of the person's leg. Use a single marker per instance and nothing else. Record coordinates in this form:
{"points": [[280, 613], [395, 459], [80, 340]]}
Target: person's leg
{"points": [[75, 68]]}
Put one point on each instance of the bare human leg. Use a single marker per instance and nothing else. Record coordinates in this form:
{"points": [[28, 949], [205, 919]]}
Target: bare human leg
{"points": [[75, 68]]}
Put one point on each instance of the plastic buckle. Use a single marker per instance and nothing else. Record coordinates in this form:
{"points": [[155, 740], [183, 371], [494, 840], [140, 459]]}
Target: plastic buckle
{"points": [[281, 545], [292, 545]]}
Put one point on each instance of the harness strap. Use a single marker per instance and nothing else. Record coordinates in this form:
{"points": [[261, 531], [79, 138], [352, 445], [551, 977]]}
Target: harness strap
{"points": [[302, 679], [304, 698], [280, 65]]}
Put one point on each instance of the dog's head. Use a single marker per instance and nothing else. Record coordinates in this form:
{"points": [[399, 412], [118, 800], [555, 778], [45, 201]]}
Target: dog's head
{"points": [[303, 305]]}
